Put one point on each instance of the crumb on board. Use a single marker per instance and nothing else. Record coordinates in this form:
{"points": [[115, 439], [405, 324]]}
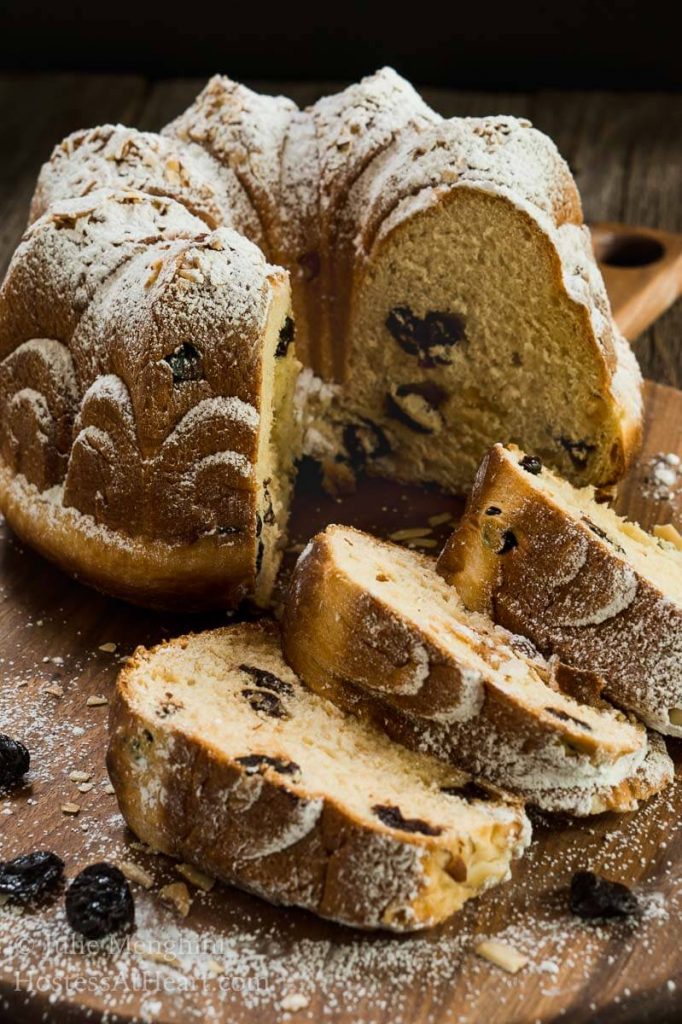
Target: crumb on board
{"points": [[176, 894], [96, 701]]}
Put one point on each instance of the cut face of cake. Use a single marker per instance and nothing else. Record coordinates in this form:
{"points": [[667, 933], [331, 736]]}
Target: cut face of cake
{"points": [[219, 755], [147, 375], [546, 560], [374, 628], [471, 322]]}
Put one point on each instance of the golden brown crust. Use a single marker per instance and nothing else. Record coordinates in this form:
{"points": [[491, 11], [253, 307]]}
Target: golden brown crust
{"points": [[130, 447], [568, 588], [368, 657]]}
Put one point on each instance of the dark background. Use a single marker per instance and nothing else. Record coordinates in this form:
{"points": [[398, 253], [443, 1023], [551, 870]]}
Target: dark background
{"points": [[477, 44]]}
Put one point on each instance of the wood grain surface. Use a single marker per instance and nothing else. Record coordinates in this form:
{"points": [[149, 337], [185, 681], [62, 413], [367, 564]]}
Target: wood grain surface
{"points": [[53, 631], [234, 958]]}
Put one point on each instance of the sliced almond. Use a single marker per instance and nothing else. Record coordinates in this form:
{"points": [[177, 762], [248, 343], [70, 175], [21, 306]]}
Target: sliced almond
{"points": [[70, 809], [108, 648], [96, 701], [442, 517], [80, 776], [196, 877], [498, 953], [410, 533], [135, 873]]}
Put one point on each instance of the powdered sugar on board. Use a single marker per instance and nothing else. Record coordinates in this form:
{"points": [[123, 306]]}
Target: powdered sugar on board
{"points": [[236, 958], [663, 477]]}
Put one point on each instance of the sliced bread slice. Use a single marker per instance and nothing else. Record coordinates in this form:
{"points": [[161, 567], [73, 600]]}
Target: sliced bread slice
{"points": [[219, 755], [547, 560], [373, 627]]}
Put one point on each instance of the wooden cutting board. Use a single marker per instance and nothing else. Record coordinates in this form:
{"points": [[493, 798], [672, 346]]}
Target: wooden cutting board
{"points": [[234, 958]]}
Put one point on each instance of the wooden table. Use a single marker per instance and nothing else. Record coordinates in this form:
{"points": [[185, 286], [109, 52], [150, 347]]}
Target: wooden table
{"points": [[55, 653]]}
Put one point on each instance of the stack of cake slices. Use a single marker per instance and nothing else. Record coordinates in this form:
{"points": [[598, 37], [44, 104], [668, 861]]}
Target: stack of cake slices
{"points": [[371, 759]]}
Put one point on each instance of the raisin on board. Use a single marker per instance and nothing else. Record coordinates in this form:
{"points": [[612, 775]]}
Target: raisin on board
{"points": [[14, 761], [185, 363], [532, 464], [99, 902], [393, 817], [31, 875], [593, 896], [254, 762]]}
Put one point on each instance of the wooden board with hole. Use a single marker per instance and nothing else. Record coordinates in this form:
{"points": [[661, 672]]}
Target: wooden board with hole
{"points": [[642, 269], [236, 959]]}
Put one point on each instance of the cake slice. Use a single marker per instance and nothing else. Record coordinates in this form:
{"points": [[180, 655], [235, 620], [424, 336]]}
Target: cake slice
{"points": [[219, 755], [545, 559], [373, 627]]}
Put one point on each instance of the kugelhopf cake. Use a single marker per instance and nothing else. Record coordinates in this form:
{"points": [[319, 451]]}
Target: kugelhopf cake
{"points": [[148, 435], [444, 290], [546, 560], [219, 755], [372, 627]]}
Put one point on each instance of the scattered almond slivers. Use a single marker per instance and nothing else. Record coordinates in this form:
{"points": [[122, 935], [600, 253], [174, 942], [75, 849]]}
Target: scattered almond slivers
{"points": [[96, 701], [70, 809], [135, 873], [196, 877], [177, 895], [506, 957], [156, 955], [442, 517], [410, 533]]}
